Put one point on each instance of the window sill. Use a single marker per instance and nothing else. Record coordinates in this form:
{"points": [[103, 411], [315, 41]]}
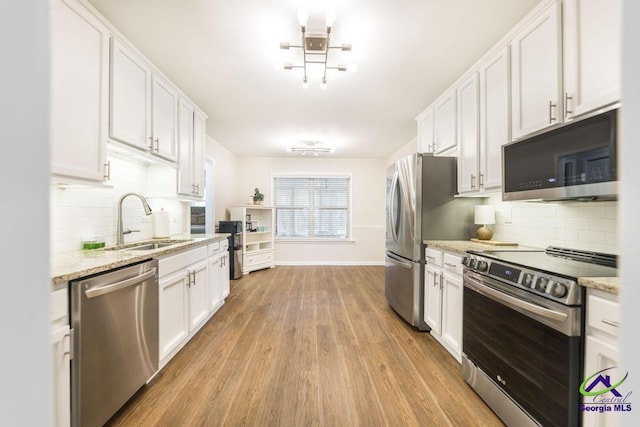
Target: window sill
{"points": [[310, 240]]}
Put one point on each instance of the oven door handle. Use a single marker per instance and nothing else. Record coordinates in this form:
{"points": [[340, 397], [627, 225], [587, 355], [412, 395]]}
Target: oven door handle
{"points": [[477, 286]]}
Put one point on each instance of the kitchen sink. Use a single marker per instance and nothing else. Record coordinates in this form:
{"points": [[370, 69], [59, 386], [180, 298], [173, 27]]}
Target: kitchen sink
{"points": [[147, 246]]}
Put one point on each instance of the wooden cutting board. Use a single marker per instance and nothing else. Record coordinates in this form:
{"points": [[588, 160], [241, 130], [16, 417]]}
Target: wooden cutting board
{"points": [[494, 242]]}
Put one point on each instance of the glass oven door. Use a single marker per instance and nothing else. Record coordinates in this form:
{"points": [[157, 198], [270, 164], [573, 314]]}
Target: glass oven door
{"points": [[529, 346]]}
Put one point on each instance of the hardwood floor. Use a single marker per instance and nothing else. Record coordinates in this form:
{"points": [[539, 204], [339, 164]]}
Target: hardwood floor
{"points": [[308, 346]]}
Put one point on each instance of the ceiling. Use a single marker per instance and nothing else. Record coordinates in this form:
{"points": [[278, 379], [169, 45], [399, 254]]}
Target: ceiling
{"points": [[222, 55]]}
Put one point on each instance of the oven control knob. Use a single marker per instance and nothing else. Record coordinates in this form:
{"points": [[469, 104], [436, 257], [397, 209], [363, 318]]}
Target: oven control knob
{"points": [[482, 266], [559, 290], [527, 280], [541, 284], [465, 261], [472, 263]]}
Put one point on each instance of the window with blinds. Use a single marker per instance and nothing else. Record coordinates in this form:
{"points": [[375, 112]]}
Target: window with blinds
{"points": [[312, 207]]}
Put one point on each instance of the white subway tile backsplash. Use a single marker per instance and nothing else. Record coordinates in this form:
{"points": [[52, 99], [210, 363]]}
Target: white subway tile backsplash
{"points": [[591, 226]]}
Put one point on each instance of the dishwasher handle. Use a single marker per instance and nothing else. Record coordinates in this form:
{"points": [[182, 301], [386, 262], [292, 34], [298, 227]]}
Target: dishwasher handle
{"points": [[96, 292]]}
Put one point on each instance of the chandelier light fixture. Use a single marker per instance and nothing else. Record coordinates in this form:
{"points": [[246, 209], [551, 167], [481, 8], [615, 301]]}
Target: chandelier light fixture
{"points": [[310, 147], [315, 49]]}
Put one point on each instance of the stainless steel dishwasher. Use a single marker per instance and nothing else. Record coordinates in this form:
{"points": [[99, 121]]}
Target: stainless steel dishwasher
{"points": [[114, 317]]}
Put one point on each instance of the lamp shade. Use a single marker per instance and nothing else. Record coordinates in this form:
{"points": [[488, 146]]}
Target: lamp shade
{"points": [[485, 214]]}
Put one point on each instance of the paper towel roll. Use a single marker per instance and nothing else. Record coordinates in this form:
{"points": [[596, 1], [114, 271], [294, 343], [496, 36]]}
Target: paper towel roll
{"points": [[161, 224]]}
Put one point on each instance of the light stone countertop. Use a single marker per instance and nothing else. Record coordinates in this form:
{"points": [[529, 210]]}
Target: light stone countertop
{"points": [[606, 284], [72, 265]]}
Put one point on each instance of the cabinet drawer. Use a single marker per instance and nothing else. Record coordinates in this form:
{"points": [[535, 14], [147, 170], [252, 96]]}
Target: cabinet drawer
{"points": [[254, 259], [433, 257], [213, 249], [603, 314], [175, 262], [453, 263]]}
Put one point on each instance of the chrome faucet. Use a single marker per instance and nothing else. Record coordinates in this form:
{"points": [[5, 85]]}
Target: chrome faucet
{"points": [[120, 231]]}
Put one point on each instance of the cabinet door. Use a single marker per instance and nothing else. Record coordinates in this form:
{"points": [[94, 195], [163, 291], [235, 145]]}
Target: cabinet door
{"points": [[600, 354], [199, 136], [452, 312], [79, 90], [215, 285], [61, 351], [445, 122], [468, 141], [186, 185], [165, 120], [224, 281], [425, 131], [198, 295], [591, 53], [174, 311], [535, 74], [433, 299], [130, 98], [494, 117]]}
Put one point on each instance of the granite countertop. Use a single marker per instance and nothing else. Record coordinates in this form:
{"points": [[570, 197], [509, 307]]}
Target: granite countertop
{"points": [[67, 266], [605, 284]]}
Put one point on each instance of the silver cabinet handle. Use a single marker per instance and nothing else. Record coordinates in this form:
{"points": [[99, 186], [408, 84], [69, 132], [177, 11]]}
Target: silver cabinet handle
{"points": [[430, 148], [481, 181], [566, 104], [611, 323], [96, 292], [157, 141], [551, 107], [473, 181], [107, 170], [151, 143], [450, 265]]}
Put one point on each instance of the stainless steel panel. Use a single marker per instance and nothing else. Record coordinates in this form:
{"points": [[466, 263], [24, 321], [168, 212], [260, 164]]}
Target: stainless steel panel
{"points": [[504, 407], [402, 233], [115, 320], [403, 289]]}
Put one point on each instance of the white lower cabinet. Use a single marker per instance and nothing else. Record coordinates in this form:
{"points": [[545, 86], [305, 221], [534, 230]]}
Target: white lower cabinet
{"points": [[218, 264], [443, 299], [602, 351], [61, 358], [183, 299]]}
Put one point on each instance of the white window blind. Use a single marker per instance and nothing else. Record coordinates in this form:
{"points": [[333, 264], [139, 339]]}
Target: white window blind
{"points": [[310, 207]]}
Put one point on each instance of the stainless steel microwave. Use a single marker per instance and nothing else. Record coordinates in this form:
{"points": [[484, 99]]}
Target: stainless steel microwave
{"points": [[575, 161]]}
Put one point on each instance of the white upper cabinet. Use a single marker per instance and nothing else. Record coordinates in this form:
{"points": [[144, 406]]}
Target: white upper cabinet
{"points": [[535, 72], [468, 134], [426, 131], [191, 143], [130, 86], [494, 117], [164, 120], [591, 52], [445, 122], [79, 92]]}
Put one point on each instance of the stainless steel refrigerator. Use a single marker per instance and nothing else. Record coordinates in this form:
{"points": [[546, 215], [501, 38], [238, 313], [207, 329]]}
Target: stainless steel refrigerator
{"points": [[420, 206]]}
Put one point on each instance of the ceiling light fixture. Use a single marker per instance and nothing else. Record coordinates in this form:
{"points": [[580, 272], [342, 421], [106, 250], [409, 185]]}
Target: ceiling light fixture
{"points": [[315, 48], [311, 147]]}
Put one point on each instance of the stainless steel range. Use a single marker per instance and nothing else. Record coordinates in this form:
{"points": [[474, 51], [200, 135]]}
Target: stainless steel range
{"points": [[523, 322]]}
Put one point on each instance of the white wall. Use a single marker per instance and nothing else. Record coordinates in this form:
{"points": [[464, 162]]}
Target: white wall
{"points": [[25, 360], [630, 203], [591, 226], [80, 212], [409, 148], [368, 184], [225, 164]]}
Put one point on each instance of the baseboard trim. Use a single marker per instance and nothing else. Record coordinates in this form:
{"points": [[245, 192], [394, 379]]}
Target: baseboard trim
{"points": [[313, 263]]}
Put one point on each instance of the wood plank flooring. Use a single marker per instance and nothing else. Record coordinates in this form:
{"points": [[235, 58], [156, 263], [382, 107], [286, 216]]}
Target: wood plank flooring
{"points": [[308, 346]]}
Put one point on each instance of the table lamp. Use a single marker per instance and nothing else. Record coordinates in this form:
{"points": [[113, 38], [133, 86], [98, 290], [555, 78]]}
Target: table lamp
{"points": [[484, 215]]}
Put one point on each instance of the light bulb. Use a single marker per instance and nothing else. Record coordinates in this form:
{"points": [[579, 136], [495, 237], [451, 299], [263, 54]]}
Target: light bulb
{"points": [[305, 83], [303, 16], [323, 84], [287, 66], [352, 68], [346, 47], [284, 45], [330, 18]]}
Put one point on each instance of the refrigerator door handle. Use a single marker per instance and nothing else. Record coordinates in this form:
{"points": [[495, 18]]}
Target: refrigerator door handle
{"points": [[399, 261], [392, 197]]}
